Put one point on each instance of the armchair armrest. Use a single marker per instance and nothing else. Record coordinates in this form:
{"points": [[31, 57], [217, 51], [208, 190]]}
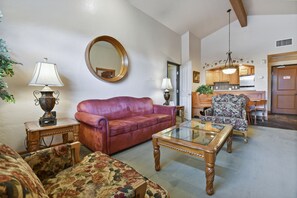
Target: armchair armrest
{"points": [[243, 113], [91, 119], [209, 112], [46, 163], [140, 188]]}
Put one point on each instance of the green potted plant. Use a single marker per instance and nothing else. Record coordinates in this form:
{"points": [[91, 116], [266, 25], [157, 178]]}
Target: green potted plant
{"points": [[204, 89], [6, 70]]}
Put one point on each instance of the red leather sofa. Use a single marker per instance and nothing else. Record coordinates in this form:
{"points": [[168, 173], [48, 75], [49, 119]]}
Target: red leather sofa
{"points": [[111, 125]]}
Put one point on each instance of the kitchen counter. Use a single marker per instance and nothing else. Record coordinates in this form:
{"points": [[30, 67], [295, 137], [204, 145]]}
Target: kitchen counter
{"points": [[202, 101], [245, 90], [252, 94]]}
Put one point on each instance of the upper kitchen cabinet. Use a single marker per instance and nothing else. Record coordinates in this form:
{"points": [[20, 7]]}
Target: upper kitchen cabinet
{"points": [[246, 70], [234, 78], [216, 75]]}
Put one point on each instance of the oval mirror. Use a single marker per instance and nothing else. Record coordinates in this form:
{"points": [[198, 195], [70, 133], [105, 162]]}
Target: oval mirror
{"points": [[107, 59]]}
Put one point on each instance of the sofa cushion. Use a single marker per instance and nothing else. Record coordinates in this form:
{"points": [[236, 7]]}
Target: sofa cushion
{"points": [[99, 175], [117, 127], [143, 122], [227, 109], [16, 177], [160, 117]]}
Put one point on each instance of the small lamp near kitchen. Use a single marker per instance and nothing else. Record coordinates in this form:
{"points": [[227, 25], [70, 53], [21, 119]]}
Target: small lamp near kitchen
{"points": [[166, 85], [46, 74]]}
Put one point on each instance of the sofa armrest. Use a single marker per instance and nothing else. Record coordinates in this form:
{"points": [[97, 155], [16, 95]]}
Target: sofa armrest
{"points": [[169, 110], [162, 109], [209, 112], [46, 163], [91, 119]]}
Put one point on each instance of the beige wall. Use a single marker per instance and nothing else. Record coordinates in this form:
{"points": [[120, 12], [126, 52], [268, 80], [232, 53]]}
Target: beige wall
{"points": [[60, 31], [254, 42]]}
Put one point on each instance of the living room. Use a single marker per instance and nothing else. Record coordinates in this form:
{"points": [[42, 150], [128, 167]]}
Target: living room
{"points": [[61, 30]]}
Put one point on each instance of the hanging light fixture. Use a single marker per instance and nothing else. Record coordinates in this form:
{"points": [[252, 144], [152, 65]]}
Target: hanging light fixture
{"points": [[229, 67]]}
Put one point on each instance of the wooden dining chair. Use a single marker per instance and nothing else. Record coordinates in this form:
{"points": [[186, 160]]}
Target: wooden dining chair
{"points": [[250, 108], [260, 106]]}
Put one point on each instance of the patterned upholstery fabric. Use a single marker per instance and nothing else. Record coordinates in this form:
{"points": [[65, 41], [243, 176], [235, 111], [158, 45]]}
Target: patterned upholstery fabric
{"points": [[237, 123], [16, 177], [228, 109], [48, 162], [99, 175]]}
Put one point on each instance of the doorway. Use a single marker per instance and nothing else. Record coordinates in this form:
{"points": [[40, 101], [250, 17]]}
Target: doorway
{"points": [[173, 72], [284, 89], [286, 58]]}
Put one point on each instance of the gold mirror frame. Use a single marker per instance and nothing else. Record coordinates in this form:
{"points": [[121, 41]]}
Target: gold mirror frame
{"points": [[121, 51]]}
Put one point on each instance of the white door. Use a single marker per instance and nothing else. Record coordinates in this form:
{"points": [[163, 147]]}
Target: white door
{"points": [[186, 88]]}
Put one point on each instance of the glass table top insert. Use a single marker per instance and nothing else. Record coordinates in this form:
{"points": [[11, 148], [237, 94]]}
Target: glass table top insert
{"points": [[195, 131]]}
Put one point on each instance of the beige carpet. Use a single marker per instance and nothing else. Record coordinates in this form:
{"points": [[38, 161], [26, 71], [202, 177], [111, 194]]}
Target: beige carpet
{"points": [[265, 167]]}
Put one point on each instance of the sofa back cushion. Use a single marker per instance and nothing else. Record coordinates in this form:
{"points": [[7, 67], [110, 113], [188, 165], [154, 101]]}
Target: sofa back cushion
{"points": [[117, 107], [16, 177]]}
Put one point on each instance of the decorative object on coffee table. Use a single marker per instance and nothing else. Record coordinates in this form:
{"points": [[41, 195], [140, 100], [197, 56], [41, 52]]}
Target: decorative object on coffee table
{"points": [[166, 85], [46, 74]]}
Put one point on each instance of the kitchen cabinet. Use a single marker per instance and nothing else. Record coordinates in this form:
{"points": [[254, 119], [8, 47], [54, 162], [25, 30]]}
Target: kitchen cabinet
{"points": [[217, 75], [224, 77], [245, 70], [209, 77], [234, 78]]}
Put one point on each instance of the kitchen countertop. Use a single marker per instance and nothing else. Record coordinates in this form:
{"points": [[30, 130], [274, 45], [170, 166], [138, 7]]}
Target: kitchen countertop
{"points": [[234, 90]]}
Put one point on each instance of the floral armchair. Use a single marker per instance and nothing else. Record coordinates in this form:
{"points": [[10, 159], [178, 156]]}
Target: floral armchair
{"points": [[57, 172], [228, 109]]}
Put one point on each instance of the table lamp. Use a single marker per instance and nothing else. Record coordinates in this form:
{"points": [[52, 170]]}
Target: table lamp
{"points": [[166, 85], [46, 74]]}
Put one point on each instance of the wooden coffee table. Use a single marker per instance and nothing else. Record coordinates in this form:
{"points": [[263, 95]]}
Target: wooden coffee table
{"points": [[200, 139]]}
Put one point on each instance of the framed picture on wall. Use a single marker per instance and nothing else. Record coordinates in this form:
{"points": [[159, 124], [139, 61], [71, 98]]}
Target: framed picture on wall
{"points": [[196, 77]]}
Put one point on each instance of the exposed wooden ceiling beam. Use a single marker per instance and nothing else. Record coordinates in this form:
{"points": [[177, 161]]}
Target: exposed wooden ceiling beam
{"points": [[239, 11]]}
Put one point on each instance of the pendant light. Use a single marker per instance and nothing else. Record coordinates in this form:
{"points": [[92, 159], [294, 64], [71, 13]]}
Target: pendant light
{"points": [[229, 67]]}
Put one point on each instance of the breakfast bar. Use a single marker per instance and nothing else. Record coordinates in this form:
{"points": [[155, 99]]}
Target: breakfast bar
{"points": [[201, 101]]}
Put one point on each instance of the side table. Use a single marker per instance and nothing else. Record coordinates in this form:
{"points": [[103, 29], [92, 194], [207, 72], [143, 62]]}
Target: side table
{"points": [[181, 110], [36, 132]]}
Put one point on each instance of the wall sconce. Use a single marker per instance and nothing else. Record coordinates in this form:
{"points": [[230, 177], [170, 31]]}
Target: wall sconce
{"points": [[46, 74], [166, 85]]}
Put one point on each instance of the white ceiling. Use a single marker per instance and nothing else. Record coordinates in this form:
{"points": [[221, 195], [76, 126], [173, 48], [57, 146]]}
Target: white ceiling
{"points": [[203, 17]]}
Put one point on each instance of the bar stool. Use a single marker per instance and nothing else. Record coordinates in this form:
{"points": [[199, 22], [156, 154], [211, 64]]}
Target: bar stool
{"points": [[260, 106]]}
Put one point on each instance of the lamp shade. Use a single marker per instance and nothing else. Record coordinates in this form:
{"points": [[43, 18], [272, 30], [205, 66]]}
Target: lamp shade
{"points": [[46, 74], [229, 70], [166, 83]]}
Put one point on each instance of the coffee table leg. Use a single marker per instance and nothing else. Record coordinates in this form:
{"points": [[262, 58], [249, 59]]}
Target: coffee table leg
{"points": [[209, 171], [229, 143], [156, 154]]}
